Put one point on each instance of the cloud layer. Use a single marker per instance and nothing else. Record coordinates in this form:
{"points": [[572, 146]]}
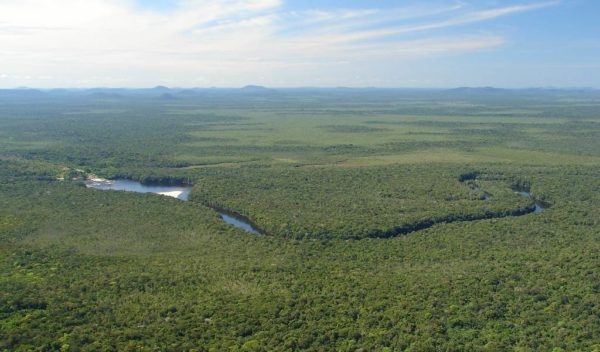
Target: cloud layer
{"points": [[231, 42]]}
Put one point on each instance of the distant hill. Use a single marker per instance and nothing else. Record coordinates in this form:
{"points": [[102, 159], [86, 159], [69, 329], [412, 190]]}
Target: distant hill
{"points": [[21, 93], [261, 92], [161, 88], [257, 90], [254, 88]]}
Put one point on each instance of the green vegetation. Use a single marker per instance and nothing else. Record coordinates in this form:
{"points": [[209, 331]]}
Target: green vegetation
{"points": [[317, 202], [323, 172]]}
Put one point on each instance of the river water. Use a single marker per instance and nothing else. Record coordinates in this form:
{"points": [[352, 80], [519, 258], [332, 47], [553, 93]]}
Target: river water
{"points": [[183, 193], [539, 207], [178, 192]]}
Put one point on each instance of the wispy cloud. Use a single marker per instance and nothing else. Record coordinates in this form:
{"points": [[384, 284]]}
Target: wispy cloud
{"points": [[220, 41], [451, 21]]}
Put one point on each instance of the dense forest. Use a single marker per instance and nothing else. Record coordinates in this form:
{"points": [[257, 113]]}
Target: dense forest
{"points": [[332, 176]]}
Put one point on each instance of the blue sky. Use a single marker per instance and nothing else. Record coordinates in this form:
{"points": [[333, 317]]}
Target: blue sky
{"points": [[279, 43]]}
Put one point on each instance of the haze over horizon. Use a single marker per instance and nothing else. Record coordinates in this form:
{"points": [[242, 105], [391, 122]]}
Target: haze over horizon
{"points": [[278, 43]]}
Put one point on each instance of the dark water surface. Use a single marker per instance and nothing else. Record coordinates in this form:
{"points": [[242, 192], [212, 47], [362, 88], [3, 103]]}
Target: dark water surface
{"points": [[539, 207]]}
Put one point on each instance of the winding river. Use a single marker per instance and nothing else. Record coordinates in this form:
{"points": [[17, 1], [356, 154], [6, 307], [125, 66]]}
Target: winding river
{"points": [[181, 193], [245, 224]]}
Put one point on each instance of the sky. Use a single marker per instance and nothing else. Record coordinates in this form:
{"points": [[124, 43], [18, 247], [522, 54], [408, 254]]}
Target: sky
{"points": [[299, 43]]}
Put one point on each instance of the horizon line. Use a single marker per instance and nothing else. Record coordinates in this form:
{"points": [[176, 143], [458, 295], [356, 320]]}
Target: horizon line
{"points": [[256, 86]]}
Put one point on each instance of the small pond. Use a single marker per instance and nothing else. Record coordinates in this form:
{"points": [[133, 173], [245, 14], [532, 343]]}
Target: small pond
{"points": [[178, 192]]}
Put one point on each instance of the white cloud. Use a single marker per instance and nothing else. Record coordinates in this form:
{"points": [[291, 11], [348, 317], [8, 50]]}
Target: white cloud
{"points": [[456, 20], [114, 42]]}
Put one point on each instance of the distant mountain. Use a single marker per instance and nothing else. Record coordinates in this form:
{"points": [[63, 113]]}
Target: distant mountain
{"points": [[257, 90], [59, 91], [254, 87], [161, 89], [21, 93], [24, 91], [263, 93]]}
